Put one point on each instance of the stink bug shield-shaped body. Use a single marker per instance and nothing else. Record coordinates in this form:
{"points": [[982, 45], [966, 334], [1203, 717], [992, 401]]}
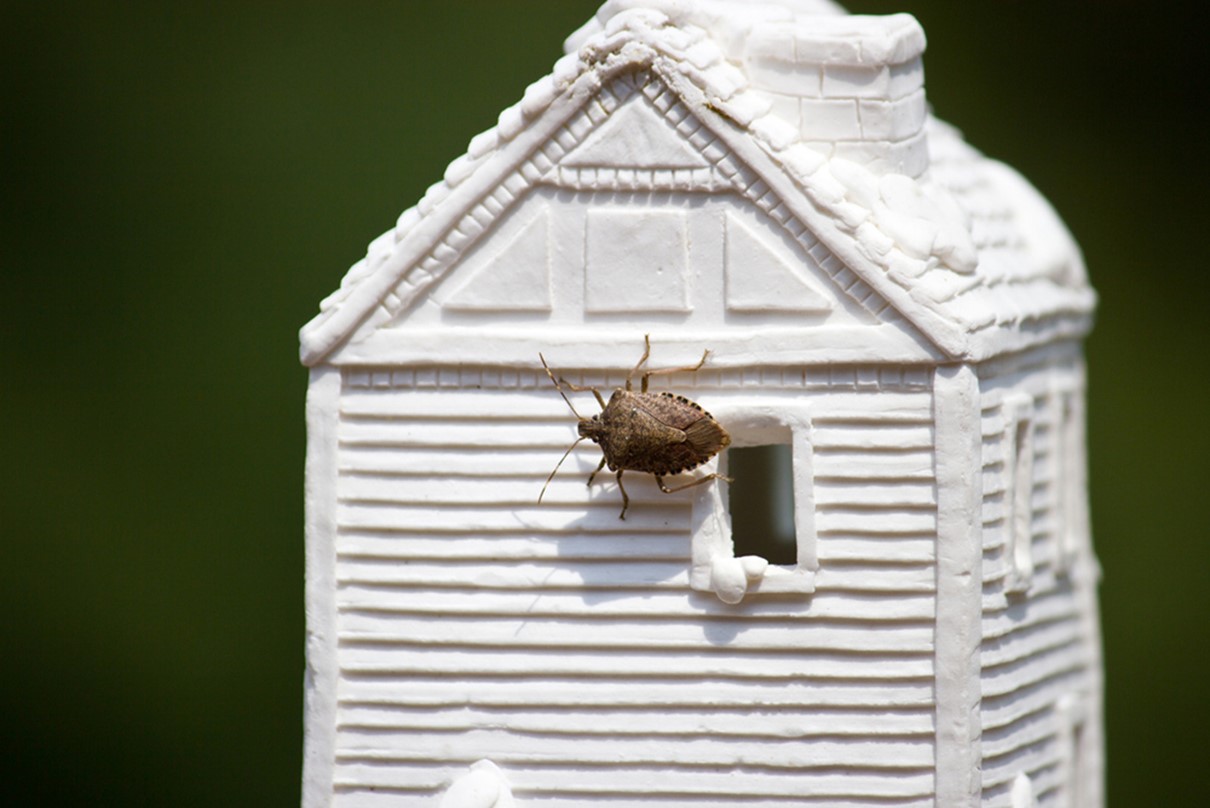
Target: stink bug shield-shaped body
{"points": [[654, 433]]}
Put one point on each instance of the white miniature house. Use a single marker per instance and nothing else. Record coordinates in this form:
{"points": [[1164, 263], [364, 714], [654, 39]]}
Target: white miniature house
{"points": [[898, 316]]}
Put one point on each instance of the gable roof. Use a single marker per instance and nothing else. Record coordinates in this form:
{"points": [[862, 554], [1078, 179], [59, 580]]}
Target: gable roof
{"points": [[968, 254]]}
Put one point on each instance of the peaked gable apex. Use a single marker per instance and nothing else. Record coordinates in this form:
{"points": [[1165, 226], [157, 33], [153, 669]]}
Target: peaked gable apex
{"points": [[635, 135], [908, 240]]}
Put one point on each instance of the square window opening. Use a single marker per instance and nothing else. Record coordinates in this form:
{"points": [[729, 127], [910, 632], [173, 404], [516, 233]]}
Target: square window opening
{"points": [[756, 534], [761, 504]]}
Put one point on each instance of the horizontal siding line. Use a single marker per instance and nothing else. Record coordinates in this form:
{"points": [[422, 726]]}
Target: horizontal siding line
{"points": [[891, 519], [387, 797], [1005, 735], [881, 509], [833, 583], [823, 451], [1040, 762], [1044, 782], [838, 576], [525, 462], [1044, 773], [483, 413], [857, 420], [610, 781], [677, 718], [508, 748], [1032, 735], [573, 491], [822, 604], [640, 728], [793, 624], [873, 434], [558, 439], [406, 534], [1037, 675], [465, 546], [540, 395], [726, 699], [1043, 608], [594, 649], [904, 549], [1034, 697], [707, 729], [757, 678], [1008, 635], [497, 549], [1042, 639], [886, 641], [598, 520], [834, 486], [467, 441], [857, 583], [906, 493], [836, 615], [453, 414], [885, 535], [351, 509], [892, 770], [1044, 583], [871, 438], [780, 726], [1002, 694], [918, 468], [877, 431]]}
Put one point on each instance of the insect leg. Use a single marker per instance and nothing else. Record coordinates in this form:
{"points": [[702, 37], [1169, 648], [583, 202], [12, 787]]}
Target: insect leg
{"points": [[666, 371], [576, 388], [642, 360], [625, 499], [715, 476], [594, 473]]}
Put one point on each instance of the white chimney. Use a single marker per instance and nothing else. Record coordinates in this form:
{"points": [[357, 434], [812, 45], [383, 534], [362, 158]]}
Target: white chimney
{"points": [[853, 85]]}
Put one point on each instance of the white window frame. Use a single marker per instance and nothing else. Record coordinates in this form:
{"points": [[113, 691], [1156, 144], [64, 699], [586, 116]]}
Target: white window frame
{"points": [[1070, 514], [1018, 409], [715, 568]]}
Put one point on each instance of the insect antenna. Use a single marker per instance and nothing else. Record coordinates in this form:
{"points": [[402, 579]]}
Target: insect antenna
{"points": [[559, 387], [561, 459]]}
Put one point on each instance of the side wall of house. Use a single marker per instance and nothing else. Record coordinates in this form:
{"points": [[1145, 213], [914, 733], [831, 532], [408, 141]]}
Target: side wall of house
{"points": [[1040, 655], [568, 647]]}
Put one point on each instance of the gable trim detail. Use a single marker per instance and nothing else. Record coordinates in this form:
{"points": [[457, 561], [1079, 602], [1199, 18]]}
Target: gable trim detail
{"points": [[843, 205]]}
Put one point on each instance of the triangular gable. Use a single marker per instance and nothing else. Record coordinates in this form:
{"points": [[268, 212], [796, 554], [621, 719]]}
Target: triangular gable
{"points": [[515, 278], [797, 186], [635, 136], [759, 278], [707, 249]]}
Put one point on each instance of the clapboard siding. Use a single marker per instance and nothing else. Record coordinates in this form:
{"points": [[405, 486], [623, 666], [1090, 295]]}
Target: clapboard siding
{"points": [[778, 722], [566, 644], [819, 687], [391, 798], [825, 605], [1036, 646], [582, 784]]}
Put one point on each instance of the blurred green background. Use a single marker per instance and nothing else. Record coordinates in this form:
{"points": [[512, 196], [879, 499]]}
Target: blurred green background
{"points": [[182, 183]]}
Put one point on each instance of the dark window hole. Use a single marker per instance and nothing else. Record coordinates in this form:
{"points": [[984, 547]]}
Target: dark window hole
{"points": [[762, 502]]}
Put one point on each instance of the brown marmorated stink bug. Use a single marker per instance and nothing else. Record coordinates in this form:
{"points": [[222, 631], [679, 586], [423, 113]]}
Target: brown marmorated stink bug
{"points": [[655, 433]]}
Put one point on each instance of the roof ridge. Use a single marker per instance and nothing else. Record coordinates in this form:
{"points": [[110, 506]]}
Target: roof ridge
{"points": [[911, 232]]}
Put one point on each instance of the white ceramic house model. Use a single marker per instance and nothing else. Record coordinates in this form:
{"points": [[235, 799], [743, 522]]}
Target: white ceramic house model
{"points": [[902, 313]]}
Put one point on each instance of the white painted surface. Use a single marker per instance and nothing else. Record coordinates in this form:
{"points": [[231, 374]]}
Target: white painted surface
{"points": [[765, 183]]}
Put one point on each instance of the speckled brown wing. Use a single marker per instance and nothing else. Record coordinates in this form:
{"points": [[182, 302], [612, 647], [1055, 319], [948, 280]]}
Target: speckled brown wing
{"points": [[707, 436], [704, 437], [673, 410]]}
